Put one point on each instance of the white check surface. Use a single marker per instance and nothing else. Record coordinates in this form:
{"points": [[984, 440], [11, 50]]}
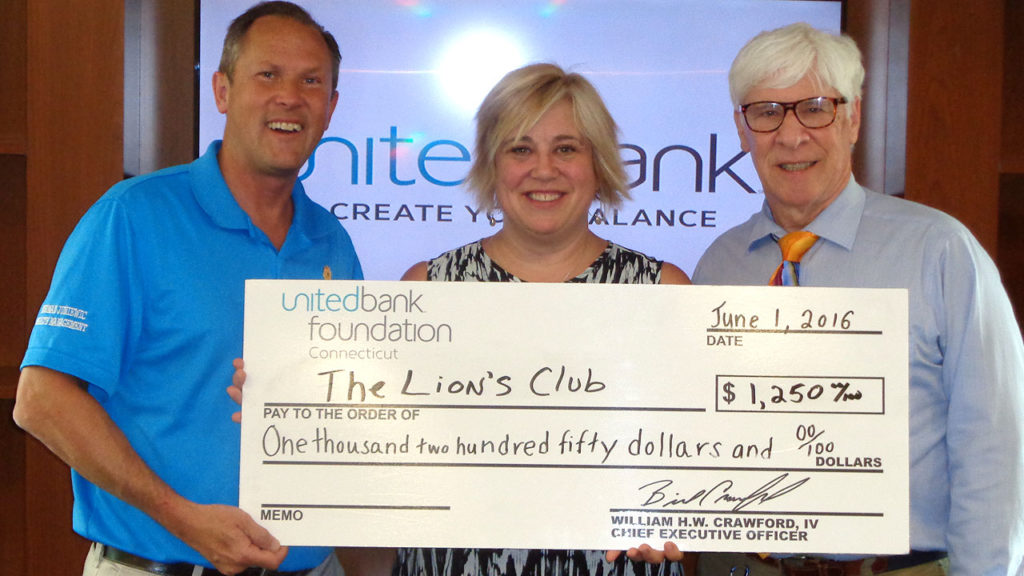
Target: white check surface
{"points": [[576, 416]]}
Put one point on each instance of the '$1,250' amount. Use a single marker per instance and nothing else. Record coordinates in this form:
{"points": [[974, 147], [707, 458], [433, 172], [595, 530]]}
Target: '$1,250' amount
{"points": [[789, 394]]}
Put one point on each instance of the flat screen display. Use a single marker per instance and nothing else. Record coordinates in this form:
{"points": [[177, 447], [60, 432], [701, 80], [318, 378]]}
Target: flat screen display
{"points": [[391, 165]]}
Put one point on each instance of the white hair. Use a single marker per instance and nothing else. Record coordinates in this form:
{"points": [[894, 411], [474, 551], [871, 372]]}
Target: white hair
{"points": [[782, 57]]}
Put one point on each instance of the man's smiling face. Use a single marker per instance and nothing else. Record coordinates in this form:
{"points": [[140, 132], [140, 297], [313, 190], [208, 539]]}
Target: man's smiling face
{"points": [[801, 169]]}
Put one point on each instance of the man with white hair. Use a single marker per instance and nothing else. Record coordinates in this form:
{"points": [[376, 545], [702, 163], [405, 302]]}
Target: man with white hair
{"points": [[796, 93]]}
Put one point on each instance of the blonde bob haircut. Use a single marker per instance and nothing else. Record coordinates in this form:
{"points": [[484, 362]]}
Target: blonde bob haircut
{"points": [[516, 104], [780, 58]]}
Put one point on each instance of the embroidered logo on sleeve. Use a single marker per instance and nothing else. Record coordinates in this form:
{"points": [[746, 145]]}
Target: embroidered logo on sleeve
{"points": [[63, 317]]}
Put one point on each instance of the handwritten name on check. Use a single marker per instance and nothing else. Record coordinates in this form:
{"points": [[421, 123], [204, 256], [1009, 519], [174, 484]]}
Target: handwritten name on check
{"points": [[576, 416]]}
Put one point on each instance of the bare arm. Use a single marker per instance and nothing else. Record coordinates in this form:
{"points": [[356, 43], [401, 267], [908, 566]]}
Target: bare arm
{"points": [[672, 274], [55, 408], [417, 272]]}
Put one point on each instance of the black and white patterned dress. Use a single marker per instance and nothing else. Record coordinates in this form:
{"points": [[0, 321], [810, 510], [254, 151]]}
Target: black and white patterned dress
{"points": [[616, 265], [469, 263]]}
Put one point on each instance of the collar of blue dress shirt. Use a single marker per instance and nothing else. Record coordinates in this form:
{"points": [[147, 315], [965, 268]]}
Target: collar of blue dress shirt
{"points": [[838, 223]]}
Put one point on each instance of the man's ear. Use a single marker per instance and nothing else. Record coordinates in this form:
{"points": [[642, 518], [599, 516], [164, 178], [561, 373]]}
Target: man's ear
{"points": [[741, 130], [854, 121], [330, 111], [221, 90]]}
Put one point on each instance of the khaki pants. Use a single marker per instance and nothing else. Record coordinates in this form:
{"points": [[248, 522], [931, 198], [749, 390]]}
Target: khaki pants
{"points": [[97, 565]]}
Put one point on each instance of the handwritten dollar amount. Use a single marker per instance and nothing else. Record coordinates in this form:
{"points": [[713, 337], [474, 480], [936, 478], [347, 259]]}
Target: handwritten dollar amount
{"points": [[800, 394]]}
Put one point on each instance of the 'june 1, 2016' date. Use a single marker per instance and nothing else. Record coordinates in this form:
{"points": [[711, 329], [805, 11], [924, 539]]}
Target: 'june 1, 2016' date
{"points": [[810, 320], [725, 319]]}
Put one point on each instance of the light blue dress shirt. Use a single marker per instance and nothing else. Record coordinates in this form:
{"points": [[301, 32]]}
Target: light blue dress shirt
{"points": [[966, 360]]}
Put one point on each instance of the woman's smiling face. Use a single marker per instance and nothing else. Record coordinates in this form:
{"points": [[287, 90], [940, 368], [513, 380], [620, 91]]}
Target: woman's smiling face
{"points": [[546, 178]]}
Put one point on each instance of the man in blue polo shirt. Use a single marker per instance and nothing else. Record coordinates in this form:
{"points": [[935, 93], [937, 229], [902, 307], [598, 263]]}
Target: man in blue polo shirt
{"points": [[126, 367]]}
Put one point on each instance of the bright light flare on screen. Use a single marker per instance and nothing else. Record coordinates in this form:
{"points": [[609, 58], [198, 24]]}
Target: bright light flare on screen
{"points": [[473, 63], [552, 7], [415, 6]]}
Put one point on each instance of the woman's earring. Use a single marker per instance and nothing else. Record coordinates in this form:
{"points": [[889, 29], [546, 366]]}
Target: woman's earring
{"points": [[599, 213], [490, 213]]}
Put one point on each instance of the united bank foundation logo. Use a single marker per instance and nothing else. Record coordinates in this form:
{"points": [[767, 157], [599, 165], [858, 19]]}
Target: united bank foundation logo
{"points": [[362, 315], [358, 300]]}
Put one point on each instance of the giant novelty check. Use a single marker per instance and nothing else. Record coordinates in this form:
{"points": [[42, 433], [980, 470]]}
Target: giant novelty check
{"points": [[489, 415]]}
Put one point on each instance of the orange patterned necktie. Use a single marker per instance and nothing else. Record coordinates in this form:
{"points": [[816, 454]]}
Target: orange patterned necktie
{"points": [[793, 246]]}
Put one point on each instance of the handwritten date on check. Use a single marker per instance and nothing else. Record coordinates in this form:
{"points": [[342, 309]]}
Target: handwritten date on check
{"points": [[576, 416]]}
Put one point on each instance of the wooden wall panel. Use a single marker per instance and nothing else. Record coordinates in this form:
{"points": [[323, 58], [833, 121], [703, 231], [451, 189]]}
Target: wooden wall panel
{"points": [[12, 495], [867, 23], [12, 77], [160, 87], [170, 136], [954, 117], [1011, 193], [73, 154], [75, 121], [1011, 240], [13, 104], [14, 327], [1013, 90]]}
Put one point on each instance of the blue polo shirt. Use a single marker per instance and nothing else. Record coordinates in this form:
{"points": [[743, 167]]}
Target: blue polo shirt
{"points": [[146, 305]]}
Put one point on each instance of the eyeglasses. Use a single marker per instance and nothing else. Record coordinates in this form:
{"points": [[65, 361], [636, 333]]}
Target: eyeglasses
{"points": [[817, 112]]}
